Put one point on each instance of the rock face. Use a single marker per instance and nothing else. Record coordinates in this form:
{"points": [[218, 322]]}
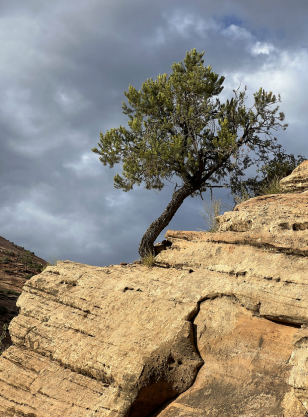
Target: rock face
{"points": [[13, 275], [218, 327], [97, 340], [297, 182]]}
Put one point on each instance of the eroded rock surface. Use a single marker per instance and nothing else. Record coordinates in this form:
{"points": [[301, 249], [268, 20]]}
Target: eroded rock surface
{"points": [[246, 366], [97, 341], [218, 327], [297, 182]]}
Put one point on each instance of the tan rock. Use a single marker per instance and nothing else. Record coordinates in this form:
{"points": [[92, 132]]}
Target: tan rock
{"points": [[276, 221], [246, 366], [219, 326], [297, 182], [106, 327]]}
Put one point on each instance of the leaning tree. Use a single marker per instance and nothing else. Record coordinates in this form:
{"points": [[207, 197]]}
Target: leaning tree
{"points": [[173, 130]]}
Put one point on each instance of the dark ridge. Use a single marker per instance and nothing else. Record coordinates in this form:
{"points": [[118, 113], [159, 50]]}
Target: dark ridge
{"points": [[283, 322]]}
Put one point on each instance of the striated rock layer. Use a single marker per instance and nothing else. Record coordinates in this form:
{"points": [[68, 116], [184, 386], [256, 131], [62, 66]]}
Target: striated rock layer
{"points": [[218, 327], [297, 182]]}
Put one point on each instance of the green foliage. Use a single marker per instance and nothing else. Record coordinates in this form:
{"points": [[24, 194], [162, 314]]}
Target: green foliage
{"points": [[5, 260], [28, 276], [172, 130], [10, 253], [271, 187], [271, 172], [26, 258], [148, 260], [162, 115]]}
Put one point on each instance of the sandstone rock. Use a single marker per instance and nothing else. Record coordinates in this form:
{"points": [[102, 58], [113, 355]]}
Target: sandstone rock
{"points": [[219, 326], [279, 222], [246, 365], [97, 340], [297, 182]]}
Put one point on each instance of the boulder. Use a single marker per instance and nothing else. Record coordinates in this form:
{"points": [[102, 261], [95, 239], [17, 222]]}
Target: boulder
{"points": [[219, 326], [297, 181]]}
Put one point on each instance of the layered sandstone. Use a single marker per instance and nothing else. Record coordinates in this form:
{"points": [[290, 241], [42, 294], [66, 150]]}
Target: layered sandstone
{"points": [[219, 326], [297, 182]]}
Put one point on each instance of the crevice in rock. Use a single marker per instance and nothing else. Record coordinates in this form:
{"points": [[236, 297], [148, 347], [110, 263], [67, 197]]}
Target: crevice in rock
{"points": [[255, 311], [283, 322], [163, 406], [136, 411], [192, 318], [194, 327], [265, 246]]}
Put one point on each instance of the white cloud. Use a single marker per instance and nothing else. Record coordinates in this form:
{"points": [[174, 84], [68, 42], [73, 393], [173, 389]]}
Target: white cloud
{"points": [[262, 48], [235, 32], [282, 74], [181, 24]]}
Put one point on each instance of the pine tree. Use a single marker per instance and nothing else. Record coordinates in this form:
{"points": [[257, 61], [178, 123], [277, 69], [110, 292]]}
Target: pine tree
{"points": [[176, 128]]}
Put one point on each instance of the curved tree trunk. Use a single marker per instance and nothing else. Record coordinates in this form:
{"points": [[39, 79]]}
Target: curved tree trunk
{"points": [[147, 242]]}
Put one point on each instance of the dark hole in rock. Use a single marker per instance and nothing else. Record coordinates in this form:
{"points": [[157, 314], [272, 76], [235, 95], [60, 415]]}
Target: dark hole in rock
{"points": [[300, 226], [284, 226]]}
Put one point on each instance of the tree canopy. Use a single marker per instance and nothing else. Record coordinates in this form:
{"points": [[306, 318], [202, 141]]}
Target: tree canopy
{"points": [[176, 128]]}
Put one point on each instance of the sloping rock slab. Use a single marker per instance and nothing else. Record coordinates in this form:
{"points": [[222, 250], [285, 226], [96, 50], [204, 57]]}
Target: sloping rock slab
{"points": [[96, 341], [220, 324], [246, 366], [121, 341]]}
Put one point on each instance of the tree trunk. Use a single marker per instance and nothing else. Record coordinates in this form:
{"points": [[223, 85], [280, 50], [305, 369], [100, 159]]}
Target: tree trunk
{"points": [[147, 242]]}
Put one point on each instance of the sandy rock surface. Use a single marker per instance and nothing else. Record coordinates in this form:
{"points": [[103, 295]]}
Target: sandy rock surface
{"points": [[123, 331], [297, 182], [218, 327]]}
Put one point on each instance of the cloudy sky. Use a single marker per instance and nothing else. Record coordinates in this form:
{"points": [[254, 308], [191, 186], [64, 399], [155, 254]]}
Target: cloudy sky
{"points": [[64, 67]]}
